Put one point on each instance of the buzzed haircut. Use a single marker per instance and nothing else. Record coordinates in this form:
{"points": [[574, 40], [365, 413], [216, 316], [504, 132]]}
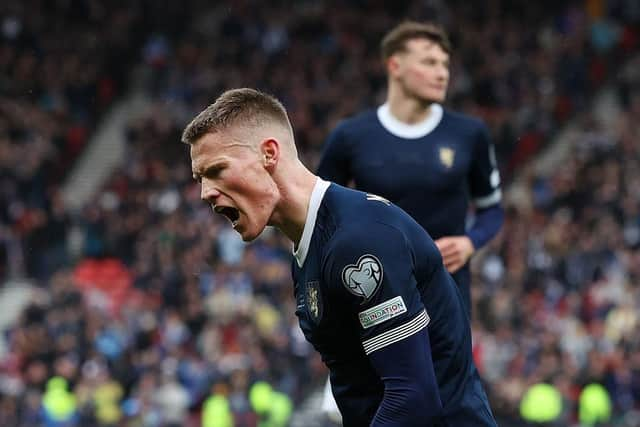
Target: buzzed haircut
{"points": [[245, 106], [396, 40]]}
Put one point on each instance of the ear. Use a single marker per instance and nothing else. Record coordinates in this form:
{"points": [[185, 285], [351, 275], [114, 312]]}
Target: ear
{"points": [[393, 65], [270, 152]]}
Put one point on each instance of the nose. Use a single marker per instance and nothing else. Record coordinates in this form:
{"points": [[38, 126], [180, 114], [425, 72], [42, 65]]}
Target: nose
{"points": [[443, 72], [208, 192]]}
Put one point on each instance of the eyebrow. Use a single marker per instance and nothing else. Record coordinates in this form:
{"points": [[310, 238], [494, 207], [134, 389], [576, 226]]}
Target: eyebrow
{"points": [[211, 168]]}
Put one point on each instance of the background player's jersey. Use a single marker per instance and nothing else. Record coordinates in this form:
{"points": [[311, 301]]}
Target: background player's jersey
{"points": [[367, 277], [431, 170]]}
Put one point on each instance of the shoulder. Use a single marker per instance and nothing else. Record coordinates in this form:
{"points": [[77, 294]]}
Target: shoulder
{"points": [[464, 122], [355, 210], [364, 221], [368, 232], [458, 118], [469, 131], [368, 246], [361, 122]]}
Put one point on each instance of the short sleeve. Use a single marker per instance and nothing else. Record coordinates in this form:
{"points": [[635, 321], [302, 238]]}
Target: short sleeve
{"points": [[484, 177], [370, 271]]}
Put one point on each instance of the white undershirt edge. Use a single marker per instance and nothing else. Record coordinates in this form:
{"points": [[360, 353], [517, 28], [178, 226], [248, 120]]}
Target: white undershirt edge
{"points": [[300, 253], [403, 130]]}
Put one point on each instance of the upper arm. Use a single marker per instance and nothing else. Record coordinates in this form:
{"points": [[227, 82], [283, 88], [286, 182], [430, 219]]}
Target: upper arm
{"points": [[335, 162], [484, 176], [371, 269]]}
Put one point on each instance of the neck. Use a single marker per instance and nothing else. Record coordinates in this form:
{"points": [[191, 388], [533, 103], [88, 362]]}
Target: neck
{"points": [[407, 109], [295, 193]]}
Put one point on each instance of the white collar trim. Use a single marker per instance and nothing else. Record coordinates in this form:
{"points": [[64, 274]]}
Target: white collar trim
{"points": [[403, 130], [300, 253]]}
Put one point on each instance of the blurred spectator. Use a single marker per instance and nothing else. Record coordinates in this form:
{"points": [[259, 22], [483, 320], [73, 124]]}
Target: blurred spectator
{"points": [[217, 411], [541, 405], [595, 405], [272, 407], [62, 64], [59, 404], [172, 397]]}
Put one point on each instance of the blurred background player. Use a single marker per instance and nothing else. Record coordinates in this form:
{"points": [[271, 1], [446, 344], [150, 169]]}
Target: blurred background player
{"points": [[430, 161]]}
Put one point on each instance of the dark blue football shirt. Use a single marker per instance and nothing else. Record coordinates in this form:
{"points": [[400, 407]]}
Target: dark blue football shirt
{"points": [[432, 170], [375, 300]]}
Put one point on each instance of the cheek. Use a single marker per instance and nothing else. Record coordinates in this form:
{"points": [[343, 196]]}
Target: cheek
{"points": [[246, 181], [259, 189], [267, 195], [427, 72], [418, 76]]}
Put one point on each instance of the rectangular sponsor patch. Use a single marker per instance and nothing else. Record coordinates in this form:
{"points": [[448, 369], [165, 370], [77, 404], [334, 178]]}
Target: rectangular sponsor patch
{"points": [[382, 312]]}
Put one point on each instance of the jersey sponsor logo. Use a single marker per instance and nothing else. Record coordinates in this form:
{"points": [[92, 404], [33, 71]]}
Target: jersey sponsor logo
{"points": [[382, 312], [377, 198], [364, 277], [447, 156], [314, 300]]}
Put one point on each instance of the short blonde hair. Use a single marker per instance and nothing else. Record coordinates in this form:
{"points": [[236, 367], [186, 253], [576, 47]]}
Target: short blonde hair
{"points": [[245, 106]]}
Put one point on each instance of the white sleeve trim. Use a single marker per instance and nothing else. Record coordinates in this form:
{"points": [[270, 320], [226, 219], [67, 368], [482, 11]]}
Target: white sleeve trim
{"points": [[491, 199], [397, 334]]}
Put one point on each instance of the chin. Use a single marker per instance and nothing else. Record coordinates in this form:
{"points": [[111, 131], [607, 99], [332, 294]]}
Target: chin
{"points": [[249, 235], [436, 97]]}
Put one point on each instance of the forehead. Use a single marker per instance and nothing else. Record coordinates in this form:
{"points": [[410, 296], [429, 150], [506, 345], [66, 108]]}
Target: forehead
{"points": [[211, 148], [422, 46]]}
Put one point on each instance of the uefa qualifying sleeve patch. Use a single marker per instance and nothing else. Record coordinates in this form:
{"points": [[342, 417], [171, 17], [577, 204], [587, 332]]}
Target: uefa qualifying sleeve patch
{"points": [[364, 277]]}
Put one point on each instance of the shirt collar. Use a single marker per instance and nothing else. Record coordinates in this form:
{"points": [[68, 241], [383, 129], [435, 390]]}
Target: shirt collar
{"points": [[403, 130], [300, 253]]}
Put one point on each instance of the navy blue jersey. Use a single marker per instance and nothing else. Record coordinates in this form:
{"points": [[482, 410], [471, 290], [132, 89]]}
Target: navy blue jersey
{"points": [[375, 300], [431, 170]]}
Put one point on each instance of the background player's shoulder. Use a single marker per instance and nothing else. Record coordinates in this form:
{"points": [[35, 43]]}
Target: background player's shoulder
{"points": [[361, 122], [459, 120], [467, 130]]}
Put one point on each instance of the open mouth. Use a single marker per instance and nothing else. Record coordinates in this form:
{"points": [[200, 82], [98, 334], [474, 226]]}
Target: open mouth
{"points": [[232, 214]]}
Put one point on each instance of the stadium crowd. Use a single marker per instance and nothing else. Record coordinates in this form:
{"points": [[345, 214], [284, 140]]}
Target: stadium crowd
{"points": [[197, 313], [560, 297], [62, 64]]}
